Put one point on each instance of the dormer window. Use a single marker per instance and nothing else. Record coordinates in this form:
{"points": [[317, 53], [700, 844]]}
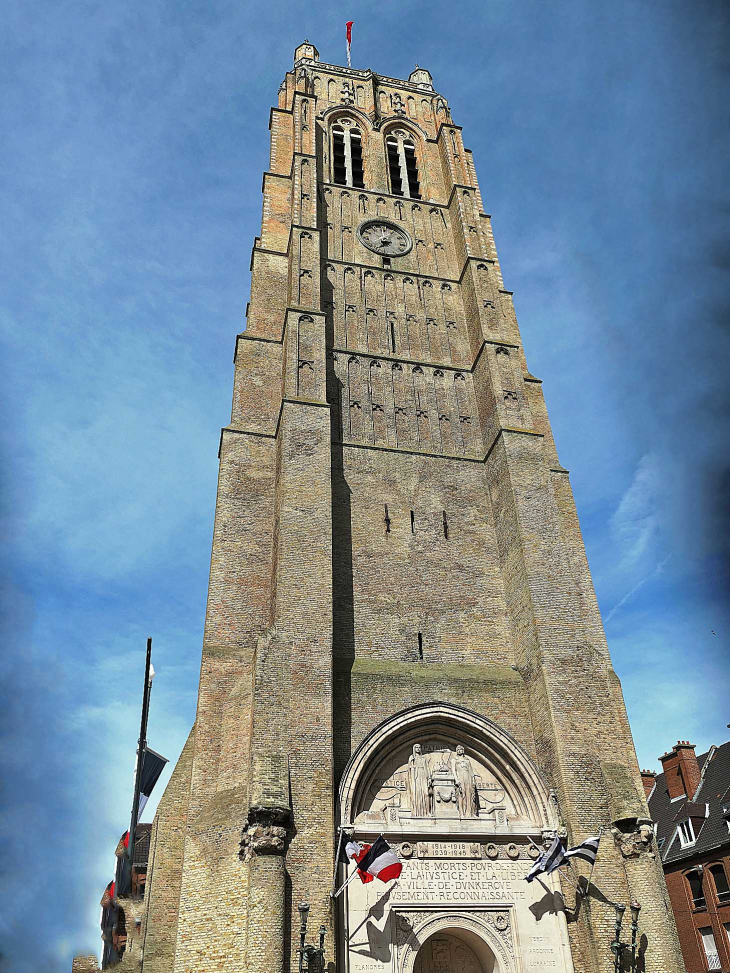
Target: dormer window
{"points": [[402, 165], [347, 169], [686, 833]]}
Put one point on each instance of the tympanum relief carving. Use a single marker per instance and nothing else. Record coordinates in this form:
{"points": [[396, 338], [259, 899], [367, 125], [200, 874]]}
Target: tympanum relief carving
{"points": [[434, 781]]}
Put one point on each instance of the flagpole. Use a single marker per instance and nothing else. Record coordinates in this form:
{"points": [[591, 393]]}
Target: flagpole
{"points": [[343, 887], [141, 746], [337, 862]]}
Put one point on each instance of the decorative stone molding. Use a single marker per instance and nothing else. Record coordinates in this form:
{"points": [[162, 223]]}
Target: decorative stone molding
{"points": [[266, 831], [500, 921]]}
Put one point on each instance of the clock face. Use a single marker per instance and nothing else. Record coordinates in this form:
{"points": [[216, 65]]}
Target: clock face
{"points": [[383, 237]]}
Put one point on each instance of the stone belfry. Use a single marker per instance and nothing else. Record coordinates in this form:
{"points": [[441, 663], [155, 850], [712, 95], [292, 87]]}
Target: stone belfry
{"points": [[402, 636]]}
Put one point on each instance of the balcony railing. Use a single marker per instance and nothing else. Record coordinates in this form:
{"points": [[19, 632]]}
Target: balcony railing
{"points": [[713, 961]]}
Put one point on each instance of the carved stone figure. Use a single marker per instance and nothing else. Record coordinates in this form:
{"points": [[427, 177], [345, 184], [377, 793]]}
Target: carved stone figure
{"points": [[465, 782], [418, 783]]}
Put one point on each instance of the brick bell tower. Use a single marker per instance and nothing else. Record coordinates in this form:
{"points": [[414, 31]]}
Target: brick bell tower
{"points": [[397, 572]]}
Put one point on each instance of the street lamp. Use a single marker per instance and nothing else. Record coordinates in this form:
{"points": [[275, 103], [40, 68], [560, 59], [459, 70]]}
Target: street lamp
{"points": [[617, 947], [310, 953], [303, 915]]}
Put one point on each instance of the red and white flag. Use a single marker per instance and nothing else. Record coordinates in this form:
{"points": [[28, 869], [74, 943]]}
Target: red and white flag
{"points": [[374, 861], [348, 25]]}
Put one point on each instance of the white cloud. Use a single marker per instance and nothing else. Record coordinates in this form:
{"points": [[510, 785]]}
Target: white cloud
{"points": [[635, 523]]}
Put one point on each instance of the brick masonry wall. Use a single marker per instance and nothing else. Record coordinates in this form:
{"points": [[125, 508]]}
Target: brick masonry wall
{"points": [[164, 873], [85, 964]]}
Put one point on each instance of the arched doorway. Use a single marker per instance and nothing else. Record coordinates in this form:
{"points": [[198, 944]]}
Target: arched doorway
{"points": [[457, 943], [449, 952]]}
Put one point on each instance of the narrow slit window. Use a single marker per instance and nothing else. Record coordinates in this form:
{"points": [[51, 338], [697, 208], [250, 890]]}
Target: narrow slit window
{"points": [[387, 520], [420, 647], [392, 336], [446, 526], [413, 523]]}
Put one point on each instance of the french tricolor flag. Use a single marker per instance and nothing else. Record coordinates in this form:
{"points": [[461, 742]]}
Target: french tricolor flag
{"points": [[374, 861]]}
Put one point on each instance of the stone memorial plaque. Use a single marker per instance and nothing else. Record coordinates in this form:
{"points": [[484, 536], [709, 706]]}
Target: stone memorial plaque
{"points": [[449, 849], [467, 880]]}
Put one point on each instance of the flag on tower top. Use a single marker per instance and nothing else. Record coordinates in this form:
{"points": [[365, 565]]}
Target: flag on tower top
{"points": [[348, 25]]}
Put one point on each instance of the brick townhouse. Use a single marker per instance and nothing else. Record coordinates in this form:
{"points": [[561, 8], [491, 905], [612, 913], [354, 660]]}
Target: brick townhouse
{"points": [[690, 803]]}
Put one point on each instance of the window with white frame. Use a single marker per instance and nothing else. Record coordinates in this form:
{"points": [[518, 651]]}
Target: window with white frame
{"points": [[347, 168], [686, 833], [710, 947]]}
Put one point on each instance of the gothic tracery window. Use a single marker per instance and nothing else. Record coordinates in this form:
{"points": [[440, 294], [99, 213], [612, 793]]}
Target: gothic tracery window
{"points": [[347, 168], [402, 165]]}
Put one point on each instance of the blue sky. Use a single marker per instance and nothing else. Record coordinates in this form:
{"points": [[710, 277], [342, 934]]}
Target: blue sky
{"points": [[134, 138]]}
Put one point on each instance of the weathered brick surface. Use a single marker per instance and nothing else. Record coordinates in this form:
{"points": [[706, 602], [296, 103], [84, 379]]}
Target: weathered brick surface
{"points": [[165, 866], [389, 472], [85, 964]]}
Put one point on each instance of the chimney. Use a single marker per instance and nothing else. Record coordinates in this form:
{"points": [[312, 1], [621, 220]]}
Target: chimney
{"points": [[681, 770], [648, 779]]}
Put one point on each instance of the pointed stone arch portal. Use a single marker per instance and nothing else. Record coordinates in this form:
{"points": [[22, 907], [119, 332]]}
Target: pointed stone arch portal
{"points": [[460, 800]]}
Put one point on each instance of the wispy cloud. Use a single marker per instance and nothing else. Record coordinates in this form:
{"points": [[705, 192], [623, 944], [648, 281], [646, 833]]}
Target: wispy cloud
{"points": [[635, 524]]}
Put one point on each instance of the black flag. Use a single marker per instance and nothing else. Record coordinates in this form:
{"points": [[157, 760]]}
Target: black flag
{"points": [[152, 766]]}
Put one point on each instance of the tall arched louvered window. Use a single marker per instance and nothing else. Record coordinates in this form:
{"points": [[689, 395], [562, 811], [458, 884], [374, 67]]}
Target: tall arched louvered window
{"points": [[347, 167], [402, 165]]}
